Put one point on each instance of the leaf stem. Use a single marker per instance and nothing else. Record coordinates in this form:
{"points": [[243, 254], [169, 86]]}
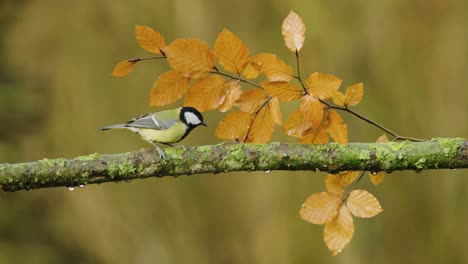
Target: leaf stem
{"points": [[298, 76], [147, 58]]}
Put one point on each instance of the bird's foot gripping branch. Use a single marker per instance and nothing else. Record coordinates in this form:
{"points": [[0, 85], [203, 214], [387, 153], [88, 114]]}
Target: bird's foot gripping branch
{"points": [[233, 83]]}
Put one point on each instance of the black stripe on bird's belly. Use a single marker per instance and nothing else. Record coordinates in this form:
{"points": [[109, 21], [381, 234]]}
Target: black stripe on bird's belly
{"points": [[186, 133]]}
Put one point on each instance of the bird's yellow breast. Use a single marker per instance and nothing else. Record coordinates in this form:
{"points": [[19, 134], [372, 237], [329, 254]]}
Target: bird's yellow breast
{"points": [[170, 135]]}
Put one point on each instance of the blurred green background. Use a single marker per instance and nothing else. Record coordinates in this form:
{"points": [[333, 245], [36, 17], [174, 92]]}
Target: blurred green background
{"points": [[56, 91]]}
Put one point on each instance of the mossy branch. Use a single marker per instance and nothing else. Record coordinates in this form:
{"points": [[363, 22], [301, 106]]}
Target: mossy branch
{"points": [[440, 153]]}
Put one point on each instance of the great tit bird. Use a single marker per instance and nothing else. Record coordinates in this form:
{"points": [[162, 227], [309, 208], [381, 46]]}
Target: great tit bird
{"points": [[164, 127]]}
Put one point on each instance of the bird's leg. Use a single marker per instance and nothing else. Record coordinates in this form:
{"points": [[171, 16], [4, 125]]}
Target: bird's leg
{"points": [[160, 152]]}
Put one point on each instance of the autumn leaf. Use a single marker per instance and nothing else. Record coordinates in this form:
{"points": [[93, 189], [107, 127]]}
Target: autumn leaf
{"points": [[337, 127], [312, 109], [272, 67], [320, 208], [322, 86], [123, 68], [190, 56], [354, 93], [283, 90], [207, 93], [315, 135], [382, 139], [339, 99], [293, 30], [149, 39], [336, 183], [363, 204], [231, 52], [250, 72], [250, 101], [275, 110], [168, 88], [233, 92], [339, 232], [262, 127], [376, 177], [295, 125], [234, 126]]}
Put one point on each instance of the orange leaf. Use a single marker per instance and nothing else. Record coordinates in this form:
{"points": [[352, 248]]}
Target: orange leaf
{"points": [[168, 88], [295, 125], [123, 68], [337, 127], [339, 232], [234, 126], [322, 86], [293, 30], [377, 178], [272, 67], [382, 139], [149, 39], [231, 52], [348, 177], [233, 93], [190, 56], [354, 94], [283, 90], [363, 204], [339, 98], [312, 109], [275, 110], [207, 93], [336, 183], [250, 72], [250, 101], [262, 127], [320, 208], [315, 135]]}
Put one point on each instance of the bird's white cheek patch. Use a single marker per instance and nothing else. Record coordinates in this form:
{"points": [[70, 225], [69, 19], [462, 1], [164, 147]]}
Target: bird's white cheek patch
{"points": [[192, 119]]}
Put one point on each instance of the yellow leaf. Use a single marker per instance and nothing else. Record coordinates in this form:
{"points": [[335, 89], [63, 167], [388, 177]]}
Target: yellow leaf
{"points": [[312, 109], [382, 139], [354, 94], [190, 56], [207, 93], [250, 72], [339, 232], [293, 31], [322, 86], [250, 101], [262, 127], [123, 68], [339, 98], [283, 90], [295, 125], [272, 67], [315, 135], [333, 184], [234, 126], [377, 178], [275, 110], [149, 39], [233, 93], [320, 208], [168, 88], [337, 127], [231, 52], [348, 177], [363, 204]]}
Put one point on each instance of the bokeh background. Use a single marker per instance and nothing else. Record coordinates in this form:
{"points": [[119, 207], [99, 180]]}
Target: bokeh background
{"points": [[56, 91]]}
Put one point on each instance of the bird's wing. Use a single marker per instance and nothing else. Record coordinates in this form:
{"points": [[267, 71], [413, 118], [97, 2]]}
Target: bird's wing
{"points": [[152, 121]]}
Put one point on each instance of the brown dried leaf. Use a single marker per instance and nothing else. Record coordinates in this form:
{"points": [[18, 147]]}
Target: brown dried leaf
{"points": [[312, 109], [295, 125], [250, 101], [339, 232], [320, 208], [337, 127], [190, 56], [168, 88], [233, 93], [149, 39], [272, 67], [262, 127], [207, 93], [234, 126], [322, 86], [283, 90], [293, 30], [231, 52], [123, 68], [315, 135], [377, 178], [354, 94], [363, 204]]}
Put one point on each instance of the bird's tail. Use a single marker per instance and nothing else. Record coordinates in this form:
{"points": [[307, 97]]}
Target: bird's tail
{"points": [[114, 126]]}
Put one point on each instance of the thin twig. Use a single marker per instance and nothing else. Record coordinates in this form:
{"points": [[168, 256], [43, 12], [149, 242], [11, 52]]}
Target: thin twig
{"points": [[147, 58], [216, 71]]}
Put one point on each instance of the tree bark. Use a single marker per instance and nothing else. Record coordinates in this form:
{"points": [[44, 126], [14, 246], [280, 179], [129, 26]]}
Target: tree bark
{"points": [[439, 153]]}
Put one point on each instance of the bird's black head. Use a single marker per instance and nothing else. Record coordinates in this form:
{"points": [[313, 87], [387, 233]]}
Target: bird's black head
{"points": [[191, 117]]}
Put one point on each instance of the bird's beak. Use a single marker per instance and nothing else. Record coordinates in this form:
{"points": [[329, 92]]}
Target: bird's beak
{"points": [[203, 124]]}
